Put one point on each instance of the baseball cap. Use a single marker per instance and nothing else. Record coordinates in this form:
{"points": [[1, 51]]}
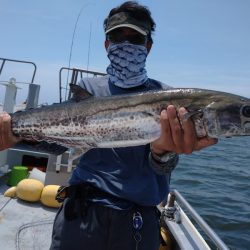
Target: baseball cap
{"points": [[124, 19]]}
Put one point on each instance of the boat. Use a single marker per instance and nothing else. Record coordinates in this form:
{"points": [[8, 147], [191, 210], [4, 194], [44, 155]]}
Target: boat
{"points": [[26, 225]]}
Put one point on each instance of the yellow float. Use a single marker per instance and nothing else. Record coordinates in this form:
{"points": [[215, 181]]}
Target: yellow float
{"points": [[33, 190], [48, 196], [11, 192], [29, 190]]}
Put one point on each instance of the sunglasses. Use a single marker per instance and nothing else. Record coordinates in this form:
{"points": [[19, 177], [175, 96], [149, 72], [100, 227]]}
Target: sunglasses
{"points": [[136, 39]]}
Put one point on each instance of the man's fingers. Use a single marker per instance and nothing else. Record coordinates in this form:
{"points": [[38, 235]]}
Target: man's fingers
{"points": [[176, 128], [7, 139], [189, 135], [3, 120], [205, 142], [165, 127], [165, 137], [165, 142], [7, 127]]}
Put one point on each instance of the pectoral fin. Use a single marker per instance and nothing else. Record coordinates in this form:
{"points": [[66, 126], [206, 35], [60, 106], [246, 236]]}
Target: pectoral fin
{"points": [[191, 114], [197, 117], [79, 93]]}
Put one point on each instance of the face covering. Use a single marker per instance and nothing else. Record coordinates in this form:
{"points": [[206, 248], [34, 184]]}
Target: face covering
{"points": [[127, 67]]}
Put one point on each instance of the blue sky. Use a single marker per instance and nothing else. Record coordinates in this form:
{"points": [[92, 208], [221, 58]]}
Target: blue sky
{"points": [[197, 43]]}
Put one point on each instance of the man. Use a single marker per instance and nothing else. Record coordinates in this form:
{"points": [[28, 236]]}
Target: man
{"points": [[111, 201]]}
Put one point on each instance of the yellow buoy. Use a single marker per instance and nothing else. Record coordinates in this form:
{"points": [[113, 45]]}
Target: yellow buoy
{"points": [[48, 196], [29, 190], [166, 238], [11, 192]]}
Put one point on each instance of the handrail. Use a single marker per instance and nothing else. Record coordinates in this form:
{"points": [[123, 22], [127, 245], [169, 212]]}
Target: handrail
{"points": [[74, 77], [197, 218], [18, 61]]}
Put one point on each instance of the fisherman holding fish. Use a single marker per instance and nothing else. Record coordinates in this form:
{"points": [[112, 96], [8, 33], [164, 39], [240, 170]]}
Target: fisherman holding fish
{"points": [[113, 192]]}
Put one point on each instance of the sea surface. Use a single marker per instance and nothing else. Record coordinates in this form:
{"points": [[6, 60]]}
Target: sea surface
{"points": [[216, 182]]}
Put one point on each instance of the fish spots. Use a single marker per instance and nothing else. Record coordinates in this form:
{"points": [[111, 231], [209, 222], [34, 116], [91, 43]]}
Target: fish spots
{"points": [[64, 122], [75, 119], [81, 120], [54, 123]]}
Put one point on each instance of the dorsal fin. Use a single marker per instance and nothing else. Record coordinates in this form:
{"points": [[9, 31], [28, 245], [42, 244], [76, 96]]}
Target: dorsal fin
{"points": [[78, 93]]}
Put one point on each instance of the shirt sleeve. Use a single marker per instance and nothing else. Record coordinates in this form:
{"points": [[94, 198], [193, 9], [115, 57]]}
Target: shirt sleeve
{"points": [[166, 86], [163, 168]]}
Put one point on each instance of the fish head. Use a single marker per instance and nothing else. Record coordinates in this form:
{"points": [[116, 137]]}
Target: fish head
{"points": [[227, 118]]}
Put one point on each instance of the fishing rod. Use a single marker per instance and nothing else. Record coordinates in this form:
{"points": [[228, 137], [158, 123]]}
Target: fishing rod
{"points": [[72, 44]]}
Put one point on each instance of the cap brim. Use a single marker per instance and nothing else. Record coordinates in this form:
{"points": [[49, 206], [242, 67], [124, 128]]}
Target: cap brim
{"points": [[128, 25]]}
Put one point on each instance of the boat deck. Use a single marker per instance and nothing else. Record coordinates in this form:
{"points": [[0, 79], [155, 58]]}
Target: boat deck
{"points": [[24, 225]]}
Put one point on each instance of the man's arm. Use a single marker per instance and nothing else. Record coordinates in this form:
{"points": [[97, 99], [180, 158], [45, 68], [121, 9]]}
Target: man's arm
{"points": [[7, 139]]}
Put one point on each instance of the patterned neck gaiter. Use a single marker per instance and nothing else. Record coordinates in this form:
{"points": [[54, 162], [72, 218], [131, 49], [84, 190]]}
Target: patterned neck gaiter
{"points": [[127, 67]]}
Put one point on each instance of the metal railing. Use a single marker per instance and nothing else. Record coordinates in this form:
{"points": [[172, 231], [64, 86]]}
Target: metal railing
{"points": [[76, 75], [175, 196], [4, 60]]}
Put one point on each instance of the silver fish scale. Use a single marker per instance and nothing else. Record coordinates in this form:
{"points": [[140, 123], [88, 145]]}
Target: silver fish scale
{"points": [[123, 125]]}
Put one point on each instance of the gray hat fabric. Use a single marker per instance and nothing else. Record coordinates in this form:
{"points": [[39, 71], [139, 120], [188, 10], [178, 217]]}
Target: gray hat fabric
{"points": [[124, 19]]}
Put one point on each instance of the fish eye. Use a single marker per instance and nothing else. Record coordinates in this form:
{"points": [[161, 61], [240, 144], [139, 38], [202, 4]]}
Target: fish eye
{"points": [[246, 111]]}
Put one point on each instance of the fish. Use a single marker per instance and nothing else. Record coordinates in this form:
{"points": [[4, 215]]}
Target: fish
{"points": [[88, 122]]}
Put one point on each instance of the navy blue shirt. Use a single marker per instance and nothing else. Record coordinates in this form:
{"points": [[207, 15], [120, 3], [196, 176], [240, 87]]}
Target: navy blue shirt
{"points": [[123, 172]]}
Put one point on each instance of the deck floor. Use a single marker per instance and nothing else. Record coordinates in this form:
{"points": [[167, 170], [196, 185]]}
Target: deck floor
{"points": [[24, 225]]}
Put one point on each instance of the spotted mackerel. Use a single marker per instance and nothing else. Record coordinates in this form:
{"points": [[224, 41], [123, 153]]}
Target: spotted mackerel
{"points": [[130, 120]]}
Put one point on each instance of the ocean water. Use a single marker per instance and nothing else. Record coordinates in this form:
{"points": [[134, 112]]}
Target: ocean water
{"points": [[216, 182]]}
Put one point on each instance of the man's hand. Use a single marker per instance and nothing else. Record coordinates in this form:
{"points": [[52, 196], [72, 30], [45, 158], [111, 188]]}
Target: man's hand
{"points": [[178, 135], [7, 139]]}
